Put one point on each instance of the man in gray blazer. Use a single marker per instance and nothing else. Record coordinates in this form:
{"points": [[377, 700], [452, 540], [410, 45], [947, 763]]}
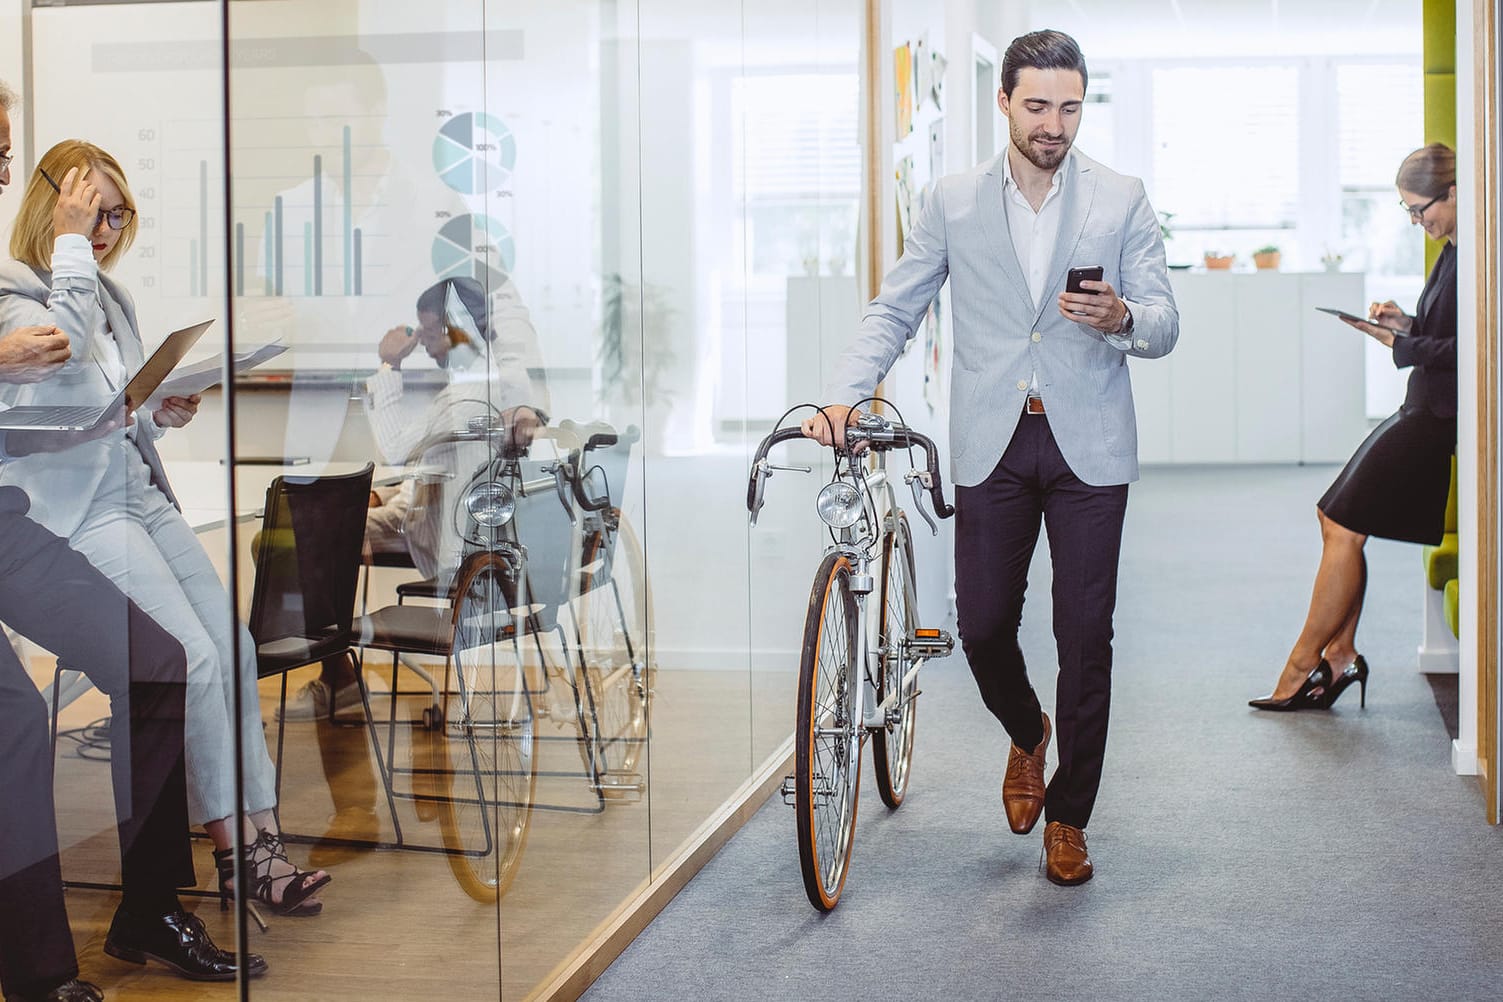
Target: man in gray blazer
{"points": [[1041, 414]]}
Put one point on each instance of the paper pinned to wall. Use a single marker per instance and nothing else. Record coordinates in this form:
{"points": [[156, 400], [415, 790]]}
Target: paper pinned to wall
{"points": [[904, 188], [903, 80]]}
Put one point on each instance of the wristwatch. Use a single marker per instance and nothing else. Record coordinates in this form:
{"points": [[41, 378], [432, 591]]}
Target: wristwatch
{"points": [[1126, 327]]}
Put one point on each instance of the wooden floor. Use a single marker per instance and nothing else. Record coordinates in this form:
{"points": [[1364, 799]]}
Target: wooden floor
{"points": [[397, 924]]}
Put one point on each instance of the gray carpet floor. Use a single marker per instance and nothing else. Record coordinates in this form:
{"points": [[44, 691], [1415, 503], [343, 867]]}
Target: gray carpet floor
{"points": [[1239, 855]]}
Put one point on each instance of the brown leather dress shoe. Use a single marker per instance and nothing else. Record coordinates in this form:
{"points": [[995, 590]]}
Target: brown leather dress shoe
{"points": [[1023, 785], [1068, 861]]}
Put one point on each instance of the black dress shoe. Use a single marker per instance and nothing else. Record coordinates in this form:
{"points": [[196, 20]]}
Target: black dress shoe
{"points": [[179, 940], [72, 990]]}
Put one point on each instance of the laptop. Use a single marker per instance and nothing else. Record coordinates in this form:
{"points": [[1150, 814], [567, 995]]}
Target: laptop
{"points": [[83, 417]]}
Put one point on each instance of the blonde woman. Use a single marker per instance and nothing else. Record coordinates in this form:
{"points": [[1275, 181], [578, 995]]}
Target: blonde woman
{"points": [[111, 500]]}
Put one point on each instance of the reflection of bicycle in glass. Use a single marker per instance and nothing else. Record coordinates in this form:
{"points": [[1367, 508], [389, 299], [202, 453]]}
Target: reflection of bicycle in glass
{"points": [[541, 548], [858, 674]]}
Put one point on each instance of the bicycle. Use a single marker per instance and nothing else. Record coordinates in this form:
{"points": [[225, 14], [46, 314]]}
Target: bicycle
{"points": [[858, 673], [525, 566]]}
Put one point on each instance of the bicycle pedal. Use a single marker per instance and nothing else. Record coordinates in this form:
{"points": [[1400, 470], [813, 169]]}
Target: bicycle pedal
{"points": [[789, 791], [621, 782], [929, 643]]}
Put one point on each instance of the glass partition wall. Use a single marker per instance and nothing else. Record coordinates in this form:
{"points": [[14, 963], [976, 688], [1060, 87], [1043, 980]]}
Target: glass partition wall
{"points": [[511, 292]]}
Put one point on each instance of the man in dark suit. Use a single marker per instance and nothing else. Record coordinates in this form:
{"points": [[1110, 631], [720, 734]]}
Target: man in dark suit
{"points": [[1041, 422], [55, 597]]}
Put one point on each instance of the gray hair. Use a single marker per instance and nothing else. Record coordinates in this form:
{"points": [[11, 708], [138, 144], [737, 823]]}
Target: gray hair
{"points": [[8, 99]]}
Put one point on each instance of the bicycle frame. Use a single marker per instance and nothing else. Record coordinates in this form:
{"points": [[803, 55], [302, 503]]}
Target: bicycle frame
{"points": [[881, 506]]}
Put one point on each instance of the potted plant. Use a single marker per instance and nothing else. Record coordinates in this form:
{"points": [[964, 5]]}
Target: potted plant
{"points": [[1218, 261], [1266, 258], [633, 350]]}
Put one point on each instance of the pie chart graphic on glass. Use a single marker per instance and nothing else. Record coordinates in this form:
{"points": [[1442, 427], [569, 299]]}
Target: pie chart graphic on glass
{"points": [[474, 246], [474, 152]]}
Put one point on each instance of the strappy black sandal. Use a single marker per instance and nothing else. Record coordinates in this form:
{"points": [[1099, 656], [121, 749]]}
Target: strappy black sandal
{"points": [[297, 886]]}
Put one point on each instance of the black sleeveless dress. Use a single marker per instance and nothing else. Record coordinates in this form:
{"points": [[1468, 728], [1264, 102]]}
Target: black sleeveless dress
{"points": [[1396, 484]]}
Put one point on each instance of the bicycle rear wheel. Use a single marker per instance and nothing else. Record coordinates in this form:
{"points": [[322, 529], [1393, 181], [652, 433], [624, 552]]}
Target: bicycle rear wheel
{"points": [[611, 623], [486, 815], [892, 753], [827, 742]]}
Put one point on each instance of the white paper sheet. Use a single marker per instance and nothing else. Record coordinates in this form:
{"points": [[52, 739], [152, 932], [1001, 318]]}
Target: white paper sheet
{"points": [[187, 380]]}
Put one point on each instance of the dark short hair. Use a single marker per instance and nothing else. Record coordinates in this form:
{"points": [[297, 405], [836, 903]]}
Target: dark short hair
{"points": [[1041, 50], [470, 292]]}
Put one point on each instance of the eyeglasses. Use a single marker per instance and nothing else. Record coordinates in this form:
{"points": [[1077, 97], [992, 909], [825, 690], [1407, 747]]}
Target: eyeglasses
{"points": [[118, 218], [1417, 213], [6, 161]]}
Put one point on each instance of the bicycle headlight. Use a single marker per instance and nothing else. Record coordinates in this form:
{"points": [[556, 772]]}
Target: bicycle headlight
{"points": [[839, 505], [490, 504]]}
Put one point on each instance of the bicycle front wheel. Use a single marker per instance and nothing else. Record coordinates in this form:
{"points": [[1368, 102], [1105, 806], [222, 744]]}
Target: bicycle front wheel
{"points": [[486, 815], [892, 753], [827, 742]]}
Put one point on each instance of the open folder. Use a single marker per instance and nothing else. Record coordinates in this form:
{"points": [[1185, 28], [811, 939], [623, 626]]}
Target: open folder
{"points": [[190, 379]]}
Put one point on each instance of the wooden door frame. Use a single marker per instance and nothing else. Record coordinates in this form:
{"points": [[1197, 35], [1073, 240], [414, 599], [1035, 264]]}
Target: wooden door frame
{"points": [[1485, 233]]}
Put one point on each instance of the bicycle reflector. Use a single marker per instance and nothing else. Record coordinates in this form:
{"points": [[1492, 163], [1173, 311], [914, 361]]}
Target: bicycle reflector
{"points": [[839, 505], [490, 504]]}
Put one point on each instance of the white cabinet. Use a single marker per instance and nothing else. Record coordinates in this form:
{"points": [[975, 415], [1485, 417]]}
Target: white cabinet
{"points": [[1258, 375]]}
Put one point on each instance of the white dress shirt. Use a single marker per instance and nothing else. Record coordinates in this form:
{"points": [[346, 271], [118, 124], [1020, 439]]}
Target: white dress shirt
{"points": [[1034, 235]]}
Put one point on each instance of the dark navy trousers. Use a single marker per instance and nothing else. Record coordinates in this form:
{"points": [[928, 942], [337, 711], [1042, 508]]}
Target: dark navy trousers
{"points": [[996, 530]]}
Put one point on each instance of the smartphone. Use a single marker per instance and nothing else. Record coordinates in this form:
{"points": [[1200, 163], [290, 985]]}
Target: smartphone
{"points": [[1075, 276]]}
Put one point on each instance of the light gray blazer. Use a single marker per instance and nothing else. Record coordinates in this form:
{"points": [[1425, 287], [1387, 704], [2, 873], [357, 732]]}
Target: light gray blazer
{"points": [[62, 485], [1002, 339]]}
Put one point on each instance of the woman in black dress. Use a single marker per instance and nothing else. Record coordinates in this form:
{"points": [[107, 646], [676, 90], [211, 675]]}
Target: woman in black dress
{"points": [[1397, 483]]}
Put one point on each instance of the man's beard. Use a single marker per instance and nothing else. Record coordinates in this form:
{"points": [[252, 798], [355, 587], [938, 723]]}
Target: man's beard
{"points": [[1043, 159]]}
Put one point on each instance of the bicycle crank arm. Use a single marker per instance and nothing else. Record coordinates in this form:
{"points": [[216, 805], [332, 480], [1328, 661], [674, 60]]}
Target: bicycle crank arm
{"points": [[877, 718]]}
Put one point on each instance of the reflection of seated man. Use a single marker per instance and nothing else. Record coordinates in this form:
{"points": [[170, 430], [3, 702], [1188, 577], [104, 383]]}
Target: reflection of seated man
{"points": [[488, 380]]}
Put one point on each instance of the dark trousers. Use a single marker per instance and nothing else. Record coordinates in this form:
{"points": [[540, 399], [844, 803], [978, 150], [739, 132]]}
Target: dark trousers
{"points": [[996, 531], [55, 597]]}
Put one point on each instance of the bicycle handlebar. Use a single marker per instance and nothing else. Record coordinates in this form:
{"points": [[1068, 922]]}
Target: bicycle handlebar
{"points": [[896, 436], [878, 434]]}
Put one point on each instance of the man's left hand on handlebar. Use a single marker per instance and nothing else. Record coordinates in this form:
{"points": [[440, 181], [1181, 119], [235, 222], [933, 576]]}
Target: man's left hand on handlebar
{"points": [[822, 426], [522, 423]]}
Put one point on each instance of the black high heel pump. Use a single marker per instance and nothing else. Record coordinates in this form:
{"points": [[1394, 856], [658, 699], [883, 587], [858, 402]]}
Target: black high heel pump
{"points": [[1355, 672], [1313, 695]]}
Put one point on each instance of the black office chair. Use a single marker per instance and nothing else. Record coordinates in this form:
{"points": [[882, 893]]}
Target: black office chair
{"points": [[307, 557]]}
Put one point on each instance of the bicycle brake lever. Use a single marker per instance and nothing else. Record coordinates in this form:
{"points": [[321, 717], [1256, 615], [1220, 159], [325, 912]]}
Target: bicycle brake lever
{"points": [[757, 492], [561, 485], [918, 504]]}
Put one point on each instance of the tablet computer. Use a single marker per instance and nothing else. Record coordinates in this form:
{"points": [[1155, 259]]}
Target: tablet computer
{"points": [[1344, 315]]}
